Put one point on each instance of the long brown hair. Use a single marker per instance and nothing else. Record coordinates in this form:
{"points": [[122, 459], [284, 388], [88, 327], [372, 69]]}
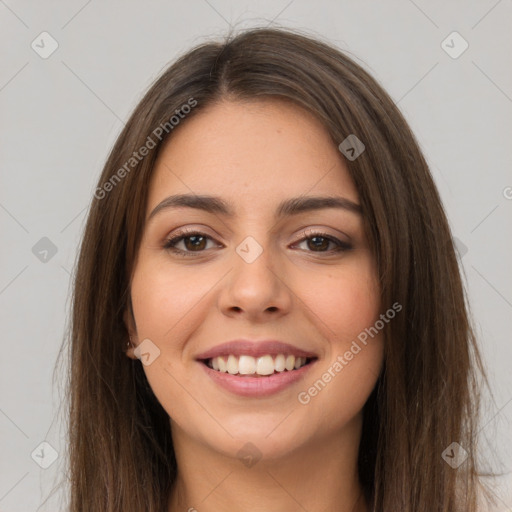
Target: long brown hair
{"points": [[120, 453]]}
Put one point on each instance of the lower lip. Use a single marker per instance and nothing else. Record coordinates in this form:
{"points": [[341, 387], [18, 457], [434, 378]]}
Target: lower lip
{"points": [[257, 386]]}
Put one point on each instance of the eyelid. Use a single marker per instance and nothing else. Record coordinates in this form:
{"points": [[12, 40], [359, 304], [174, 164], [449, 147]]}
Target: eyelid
{"points": [[303, 231], [181, 233], [341, 245], [318, 230], [189, 231], [307, 233]]}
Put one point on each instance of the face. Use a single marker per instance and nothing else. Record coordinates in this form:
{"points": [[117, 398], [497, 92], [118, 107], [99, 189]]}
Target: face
{"points": [[304, 277]]}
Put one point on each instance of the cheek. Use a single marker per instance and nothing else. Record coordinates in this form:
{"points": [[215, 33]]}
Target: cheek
{"points": [[165, 305], [346, 301], [163, 299], [346, 304]]}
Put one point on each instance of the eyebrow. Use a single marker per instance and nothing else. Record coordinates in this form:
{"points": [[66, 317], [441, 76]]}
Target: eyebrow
{"points": [[288, 207]]}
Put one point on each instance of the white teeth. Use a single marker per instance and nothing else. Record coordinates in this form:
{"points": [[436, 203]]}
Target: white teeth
{"points": [[280, 363], [232, 365], [222, 364], [246, 365], [264, 365]]}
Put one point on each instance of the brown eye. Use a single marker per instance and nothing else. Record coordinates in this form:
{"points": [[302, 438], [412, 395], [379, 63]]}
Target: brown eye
{"points": [[193, 242], [319, 242], [196, 242]]}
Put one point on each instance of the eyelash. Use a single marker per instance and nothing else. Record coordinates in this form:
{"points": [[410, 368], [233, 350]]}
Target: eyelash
{"points": [[171, 242]]}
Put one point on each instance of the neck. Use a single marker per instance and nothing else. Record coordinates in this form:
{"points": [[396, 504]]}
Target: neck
{"points": [[319, 477]]}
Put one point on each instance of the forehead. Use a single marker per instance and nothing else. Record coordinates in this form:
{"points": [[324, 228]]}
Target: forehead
{"points": [[252, 153]]}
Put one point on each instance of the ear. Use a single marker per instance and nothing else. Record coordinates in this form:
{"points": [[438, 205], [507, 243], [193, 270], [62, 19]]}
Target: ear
{"points": [[132, 341]]}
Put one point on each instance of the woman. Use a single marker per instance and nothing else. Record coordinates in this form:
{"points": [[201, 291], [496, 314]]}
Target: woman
{"points": [[268, 312]]}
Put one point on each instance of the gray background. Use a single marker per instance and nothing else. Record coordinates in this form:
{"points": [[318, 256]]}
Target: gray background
{"points": [[60, 116]]}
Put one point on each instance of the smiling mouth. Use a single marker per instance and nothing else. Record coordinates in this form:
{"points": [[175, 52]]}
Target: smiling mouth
{"points": [[264, 366]]}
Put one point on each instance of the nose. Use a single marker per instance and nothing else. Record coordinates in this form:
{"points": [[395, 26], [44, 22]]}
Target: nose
{"points": [[256, 289]]}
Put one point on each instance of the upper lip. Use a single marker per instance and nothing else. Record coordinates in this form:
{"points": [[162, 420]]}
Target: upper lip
{"points": [[254, 349]]}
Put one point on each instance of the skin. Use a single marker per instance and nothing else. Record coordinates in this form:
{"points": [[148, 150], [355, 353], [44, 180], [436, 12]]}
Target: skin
{"points": [[254, 155]]}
